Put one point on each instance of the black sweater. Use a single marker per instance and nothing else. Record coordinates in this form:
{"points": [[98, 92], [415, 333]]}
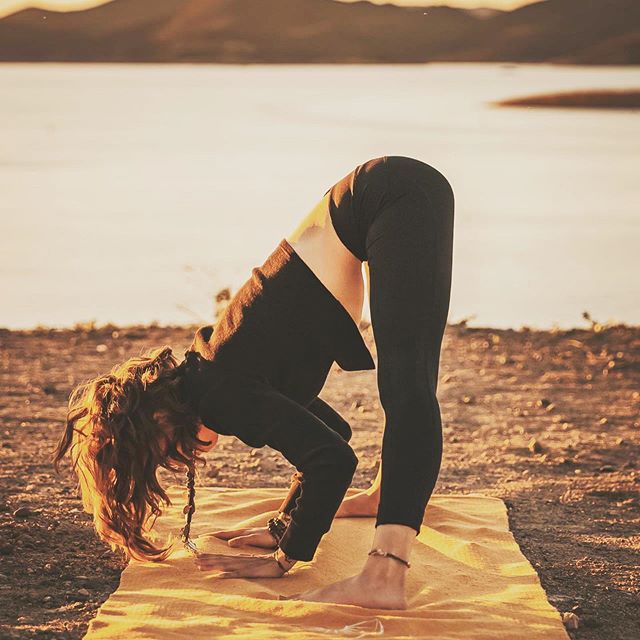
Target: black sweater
{"points": [[267, 358]]}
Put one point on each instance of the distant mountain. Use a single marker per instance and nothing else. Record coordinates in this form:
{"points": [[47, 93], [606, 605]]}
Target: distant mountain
{"points": [[482, 13], [325, 31], [569, 31]]}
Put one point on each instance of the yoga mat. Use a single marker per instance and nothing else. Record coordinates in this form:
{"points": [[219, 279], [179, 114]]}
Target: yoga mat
{"points": [[468, 580]]}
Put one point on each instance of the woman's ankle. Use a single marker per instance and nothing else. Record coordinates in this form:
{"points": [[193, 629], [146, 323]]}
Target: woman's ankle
{"points": [[385, 571], [387, 588]]}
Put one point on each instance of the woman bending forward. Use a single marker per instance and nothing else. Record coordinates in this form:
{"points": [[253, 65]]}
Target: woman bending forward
{"points": [[256, 375]]}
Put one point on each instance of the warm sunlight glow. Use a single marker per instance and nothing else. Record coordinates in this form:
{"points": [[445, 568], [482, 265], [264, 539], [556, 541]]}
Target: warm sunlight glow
{"points": [[448, 595], [469, 4], [10, 6], [317, 217]]}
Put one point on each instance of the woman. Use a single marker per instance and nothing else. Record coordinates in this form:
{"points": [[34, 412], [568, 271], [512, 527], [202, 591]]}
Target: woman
{"points": [[257, 376]]}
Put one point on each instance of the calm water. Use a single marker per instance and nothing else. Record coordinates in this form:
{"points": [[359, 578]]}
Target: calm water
{"points": [[133, 193]]}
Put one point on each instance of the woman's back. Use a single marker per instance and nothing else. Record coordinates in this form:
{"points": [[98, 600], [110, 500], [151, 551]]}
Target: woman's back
{"points": [[316, 242]]}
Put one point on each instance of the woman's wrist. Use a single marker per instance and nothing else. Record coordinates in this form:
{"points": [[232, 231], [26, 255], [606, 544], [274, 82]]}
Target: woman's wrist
{"points": [[278, 525], [283, 560]]}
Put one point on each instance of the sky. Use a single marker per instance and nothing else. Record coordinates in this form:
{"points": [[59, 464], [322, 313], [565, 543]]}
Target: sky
{"points": [[9, 6]]}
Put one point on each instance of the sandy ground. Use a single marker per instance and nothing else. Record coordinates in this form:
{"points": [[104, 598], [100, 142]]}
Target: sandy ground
{"points": [[547, 421]]}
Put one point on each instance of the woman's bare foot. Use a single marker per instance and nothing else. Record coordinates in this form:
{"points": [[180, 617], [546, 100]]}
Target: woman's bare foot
{"points": [[363, 505], [381, 582], [360, 590]]}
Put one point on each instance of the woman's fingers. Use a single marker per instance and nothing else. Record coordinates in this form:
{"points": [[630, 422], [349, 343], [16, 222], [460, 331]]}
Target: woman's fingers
{"points": [[225, 534], [240, 540], [239, 566], [261, 539], [210, 558], [215, 561], [207, 561], [257, 536]]}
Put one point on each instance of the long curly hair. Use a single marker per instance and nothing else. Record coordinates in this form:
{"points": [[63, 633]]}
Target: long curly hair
{"points": [[120, 428]]}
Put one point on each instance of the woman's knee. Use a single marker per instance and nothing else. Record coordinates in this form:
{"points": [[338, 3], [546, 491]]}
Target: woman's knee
{"points": [[407, 382], [330, 417]]}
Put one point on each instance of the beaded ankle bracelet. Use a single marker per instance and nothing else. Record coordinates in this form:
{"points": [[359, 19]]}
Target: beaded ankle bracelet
{"points": [[388, 554]]}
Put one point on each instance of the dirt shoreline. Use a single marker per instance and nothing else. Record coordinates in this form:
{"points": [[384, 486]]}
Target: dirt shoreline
{"points": [[589, 99], [549, 421]]}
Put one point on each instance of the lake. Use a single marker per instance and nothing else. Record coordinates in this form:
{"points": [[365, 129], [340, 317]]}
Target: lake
{"points": [[134, 193]]}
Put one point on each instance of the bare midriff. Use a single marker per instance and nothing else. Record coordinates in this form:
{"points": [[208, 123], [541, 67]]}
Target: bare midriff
{"points": [[317, 243]]}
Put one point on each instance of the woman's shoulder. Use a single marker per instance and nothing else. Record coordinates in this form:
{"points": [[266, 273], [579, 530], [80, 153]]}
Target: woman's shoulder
{"points": [[202, 366], [227, 400]]}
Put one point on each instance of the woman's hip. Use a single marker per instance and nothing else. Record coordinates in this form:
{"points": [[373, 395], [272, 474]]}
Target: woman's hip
{"points": [[383, 193]]}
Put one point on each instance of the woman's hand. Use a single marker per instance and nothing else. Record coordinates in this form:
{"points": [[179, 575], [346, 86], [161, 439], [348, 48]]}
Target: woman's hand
{"points": [[363, 504], [254, 536], [240, 566]]}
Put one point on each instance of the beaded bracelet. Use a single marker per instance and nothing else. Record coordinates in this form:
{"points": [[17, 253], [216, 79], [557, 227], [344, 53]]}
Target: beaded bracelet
{"points": [[277, 527], [380, 552], [286, 558]]}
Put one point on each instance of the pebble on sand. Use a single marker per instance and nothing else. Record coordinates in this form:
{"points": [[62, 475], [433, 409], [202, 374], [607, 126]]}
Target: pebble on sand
{"points": [[570, 620], [534, 446]]}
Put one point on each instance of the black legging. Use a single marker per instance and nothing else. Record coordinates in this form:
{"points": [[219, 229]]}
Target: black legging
{"points": [[325, 412], [397, 214]]}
